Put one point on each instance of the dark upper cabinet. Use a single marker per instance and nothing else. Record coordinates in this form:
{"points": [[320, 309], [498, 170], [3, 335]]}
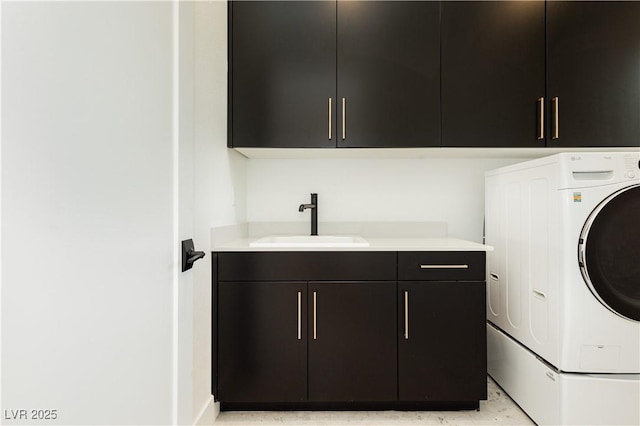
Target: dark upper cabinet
{"points": [[352, 341], [262, 341], [388, 74], [293, 62], [593, 71], [282, 72], [493, 73], [368, 74]]}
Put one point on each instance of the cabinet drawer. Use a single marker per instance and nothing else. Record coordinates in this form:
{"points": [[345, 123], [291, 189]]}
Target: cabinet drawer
{"points": [[442, 266], [307, 266]]}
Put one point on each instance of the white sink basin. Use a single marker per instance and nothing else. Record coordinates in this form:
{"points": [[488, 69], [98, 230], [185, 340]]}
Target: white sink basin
{"points": [[310, 241]]}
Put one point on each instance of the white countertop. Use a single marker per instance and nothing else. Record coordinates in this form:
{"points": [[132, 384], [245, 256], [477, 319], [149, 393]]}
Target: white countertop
{"points": [[375, 244]]}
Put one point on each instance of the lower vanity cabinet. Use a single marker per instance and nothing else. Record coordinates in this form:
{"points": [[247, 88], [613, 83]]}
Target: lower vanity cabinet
{"points": [[354, 330], [304, 327], [442, 350]]}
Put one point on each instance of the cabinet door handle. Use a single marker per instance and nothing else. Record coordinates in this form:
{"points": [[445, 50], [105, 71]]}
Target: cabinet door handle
{"points": [[299, 315], [344, 118], [444, 266], [406, 315], [329, 118], [541, 117], [556, 117], [315, 330], [494, 276]]}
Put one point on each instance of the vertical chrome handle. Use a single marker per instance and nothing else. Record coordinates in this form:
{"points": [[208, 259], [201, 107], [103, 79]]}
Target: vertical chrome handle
{"points": [[299, 315], [406, 315], [541, 117], [315, 330], [556, 118], [329, 118], [344, 119]]}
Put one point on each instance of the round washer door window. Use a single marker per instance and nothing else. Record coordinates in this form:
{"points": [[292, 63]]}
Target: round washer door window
{"points": [[609, 252]]}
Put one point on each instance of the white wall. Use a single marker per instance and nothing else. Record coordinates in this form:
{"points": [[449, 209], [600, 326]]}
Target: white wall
{"points": [[443, 189], [88, 194], [220, 182], [184, 112], [87, 211]]}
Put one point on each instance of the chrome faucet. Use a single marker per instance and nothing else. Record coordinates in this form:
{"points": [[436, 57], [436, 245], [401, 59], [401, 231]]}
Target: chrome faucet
{"points": [[314, 212]]}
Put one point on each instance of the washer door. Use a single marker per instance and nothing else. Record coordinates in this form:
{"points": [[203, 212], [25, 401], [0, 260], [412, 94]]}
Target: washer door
{"points": [[609, 252]]}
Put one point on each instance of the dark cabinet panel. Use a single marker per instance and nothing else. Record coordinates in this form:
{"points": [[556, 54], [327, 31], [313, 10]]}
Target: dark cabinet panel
{"points": [[442, 265], [593, 68], [282, 68], [306, 266], [262, 341], [352, 341], [493, 73], [442, 341], [289, 60], [388, 74]]}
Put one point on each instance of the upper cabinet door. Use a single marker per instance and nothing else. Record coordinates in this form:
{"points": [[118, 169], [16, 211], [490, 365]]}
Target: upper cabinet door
{"points": [[282, 74], [594, 73], [388, 74], [493, 82]]}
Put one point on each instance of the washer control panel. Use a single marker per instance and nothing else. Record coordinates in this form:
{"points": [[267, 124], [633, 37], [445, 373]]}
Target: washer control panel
{"points": [[632, 165]]}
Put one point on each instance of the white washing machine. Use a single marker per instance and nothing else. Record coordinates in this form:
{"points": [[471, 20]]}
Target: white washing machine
{"points": [[563, 298]]}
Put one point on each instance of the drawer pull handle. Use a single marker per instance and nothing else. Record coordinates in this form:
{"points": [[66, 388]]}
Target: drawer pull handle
{"points": [[406, 315], [444, 266], [299, 315], [315, 335]]}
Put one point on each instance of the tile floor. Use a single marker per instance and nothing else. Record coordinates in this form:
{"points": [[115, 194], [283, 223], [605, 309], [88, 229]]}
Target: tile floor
{"points": [[498, 409]]}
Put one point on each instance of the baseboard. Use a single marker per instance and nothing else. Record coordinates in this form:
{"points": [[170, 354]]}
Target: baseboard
{"points": [[351, 406], [208, 413]]}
